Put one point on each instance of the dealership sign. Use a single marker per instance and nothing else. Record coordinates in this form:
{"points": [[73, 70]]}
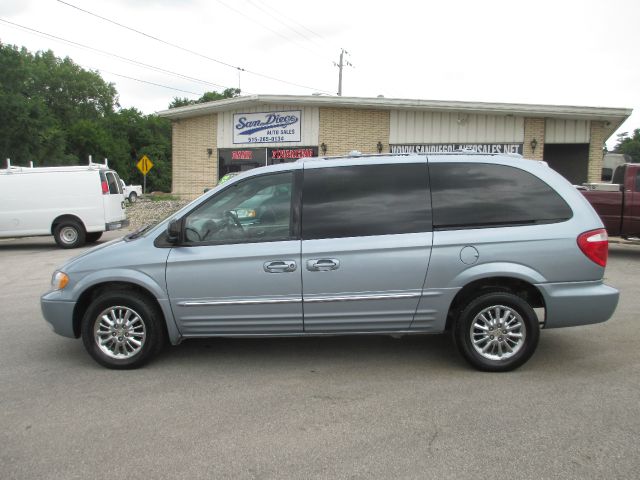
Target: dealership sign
{"points": [[457, 147], [267, 127]]}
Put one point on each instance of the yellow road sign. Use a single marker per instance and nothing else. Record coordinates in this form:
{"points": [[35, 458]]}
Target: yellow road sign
{"points": [[145, 164]]}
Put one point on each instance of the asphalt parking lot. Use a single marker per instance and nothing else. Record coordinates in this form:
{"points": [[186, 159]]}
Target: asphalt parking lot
{"points": [[353, 407]]}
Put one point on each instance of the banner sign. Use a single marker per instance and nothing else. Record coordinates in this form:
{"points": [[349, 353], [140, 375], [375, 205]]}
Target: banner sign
{"points": [[267, 127], [256, 156], [456, 147], [284, 154]]}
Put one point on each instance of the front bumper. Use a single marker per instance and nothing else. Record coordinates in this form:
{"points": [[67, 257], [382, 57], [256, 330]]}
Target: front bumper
{"points": [[58, 313], [578, 303], [116, 225]]}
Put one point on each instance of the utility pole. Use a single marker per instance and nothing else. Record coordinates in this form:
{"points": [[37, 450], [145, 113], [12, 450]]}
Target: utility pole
{"points": [[343, 63]]}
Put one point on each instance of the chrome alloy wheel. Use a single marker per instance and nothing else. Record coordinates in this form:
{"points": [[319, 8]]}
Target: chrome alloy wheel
{"points": [[69, 235], [498, 332], [119, 332]]}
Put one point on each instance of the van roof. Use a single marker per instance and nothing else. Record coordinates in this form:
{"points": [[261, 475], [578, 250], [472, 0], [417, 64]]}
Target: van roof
{"points": [[71, 168], [356, 154]]}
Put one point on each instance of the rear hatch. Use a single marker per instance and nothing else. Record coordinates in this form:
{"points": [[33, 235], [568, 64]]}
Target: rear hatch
{"points": [[112, 196]]}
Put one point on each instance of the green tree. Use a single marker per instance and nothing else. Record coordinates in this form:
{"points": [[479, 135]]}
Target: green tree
{"points": [[28, 130], [159, 177], [142, 135], [629, 145], [181, 102], [42, 98], [69, 91], [53, 112], [206, 97]]}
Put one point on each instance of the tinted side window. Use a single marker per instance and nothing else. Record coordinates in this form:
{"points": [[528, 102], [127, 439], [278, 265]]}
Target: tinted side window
{"points": [[365, 200], [477, 194]]}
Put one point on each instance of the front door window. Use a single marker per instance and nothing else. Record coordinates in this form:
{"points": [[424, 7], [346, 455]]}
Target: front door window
{"points": [[255, 210]]}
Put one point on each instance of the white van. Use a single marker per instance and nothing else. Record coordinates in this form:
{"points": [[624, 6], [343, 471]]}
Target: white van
{"points": [[74, 204]]}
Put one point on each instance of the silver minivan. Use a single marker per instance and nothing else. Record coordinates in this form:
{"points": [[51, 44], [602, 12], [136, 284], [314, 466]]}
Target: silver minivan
{"points": [[387, 244]]}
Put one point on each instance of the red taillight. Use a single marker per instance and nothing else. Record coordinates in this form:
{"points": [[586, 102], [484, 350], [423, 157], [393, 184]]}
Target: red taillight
{"points": [[105, 187], [595, 245]]}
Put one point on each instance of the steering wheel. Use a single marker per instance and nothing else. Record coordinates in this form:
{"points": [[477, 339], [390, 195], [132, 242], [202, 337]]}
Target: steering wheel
{"points": [[194, 231], [234, 218], [210, 227]]}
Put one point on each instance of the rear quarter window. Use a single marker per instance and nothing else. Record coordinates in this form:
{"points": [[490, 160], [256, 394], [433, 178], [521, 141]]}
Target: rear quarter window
{"points": [[475, 195], [113, 183], [619, 174]]}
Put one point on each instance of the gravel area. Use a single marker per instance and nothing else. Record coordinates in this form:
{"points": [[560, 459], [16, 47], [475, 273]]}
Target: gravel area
{"points": [[145, 211]]}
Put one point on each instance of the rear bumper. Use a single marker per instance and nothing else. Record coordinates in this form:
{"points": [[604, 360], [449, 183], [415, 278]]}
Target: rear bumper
{"points": [[578, 303], [116, 225]]}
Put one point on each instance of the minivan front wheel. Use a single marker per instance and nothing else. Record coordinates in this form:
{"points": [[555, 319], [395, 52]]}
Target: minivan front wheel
{"points": [[497, 332], [122, 330]]}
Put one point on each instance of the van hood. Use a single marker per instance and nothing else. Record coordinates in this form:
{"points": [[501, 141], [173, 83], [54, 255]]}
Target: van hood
{"points": [[119, 256], [77, 259]]}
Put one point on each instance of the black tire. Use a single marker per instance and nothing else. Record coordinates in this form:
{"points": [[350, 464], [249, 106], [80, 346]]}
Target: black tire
{"points": [[133, 197], [69, 234], [505, 316], [93, 237], [115, 345]]}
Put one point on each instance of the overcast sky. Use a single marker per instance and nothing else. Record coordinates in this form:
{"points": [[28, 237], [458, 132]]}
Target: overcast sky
{"points": [[548, 52]]}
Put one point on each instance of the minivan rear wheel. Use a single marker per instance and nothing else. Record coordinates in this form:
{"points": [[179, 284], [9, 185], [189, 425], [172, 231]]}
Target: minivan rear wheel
{"points": [[122, 330], [497, 332]]}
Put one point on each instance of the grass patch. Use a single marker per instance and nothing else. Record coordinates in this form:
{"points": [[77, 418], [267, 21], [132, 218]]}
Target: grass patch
{"points": [[162, 197]]}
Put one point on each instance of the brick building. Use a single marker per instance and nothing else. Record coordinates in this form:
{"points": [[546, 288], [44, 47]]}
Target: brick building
{"points": [[212, 139]]}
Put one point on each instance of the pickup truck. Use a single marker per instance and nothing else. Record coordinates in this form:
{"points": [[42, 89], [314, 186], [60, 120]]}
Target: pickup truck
{"points": [[131, 192], [618, 203]]}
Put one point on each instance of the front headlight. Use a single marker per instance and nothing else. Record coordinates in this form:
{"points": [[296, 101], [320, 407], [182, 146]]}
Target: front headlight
{"points": [[59, 280]]}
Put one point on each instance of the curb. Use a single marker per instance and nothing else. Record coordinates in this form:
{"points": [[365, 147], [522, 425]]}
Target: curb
{"points": [[622, 241]]}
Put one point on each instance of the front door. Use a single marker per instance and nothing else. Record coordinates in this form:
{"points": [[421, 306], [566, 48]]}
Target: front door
{"points": [[237, 270], [366, 245]]}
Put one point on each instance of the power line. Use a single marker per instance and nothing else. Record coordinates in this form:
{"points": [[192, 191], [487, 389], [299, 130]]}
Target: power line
{"points": [[143, 81], [147, 35], [262, 24], [282, 22], [104, 52], [271, 7], [184, 49]]}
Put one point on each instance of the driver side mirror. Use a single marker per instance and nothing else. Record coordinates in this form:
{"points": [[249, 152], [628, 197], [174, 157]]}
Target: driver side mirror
{"points": [[174, 231]]}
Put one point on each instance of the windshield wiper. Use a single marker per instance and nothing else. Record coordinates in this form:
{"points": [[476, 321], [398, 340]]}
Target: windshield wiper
{"points": [[139, 232]]}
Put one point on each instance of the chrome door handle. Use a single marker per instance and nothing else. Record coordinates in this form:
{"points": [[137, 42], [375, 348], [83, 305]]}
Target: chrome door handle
{"points": [[323, 264], [280, 266]]}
